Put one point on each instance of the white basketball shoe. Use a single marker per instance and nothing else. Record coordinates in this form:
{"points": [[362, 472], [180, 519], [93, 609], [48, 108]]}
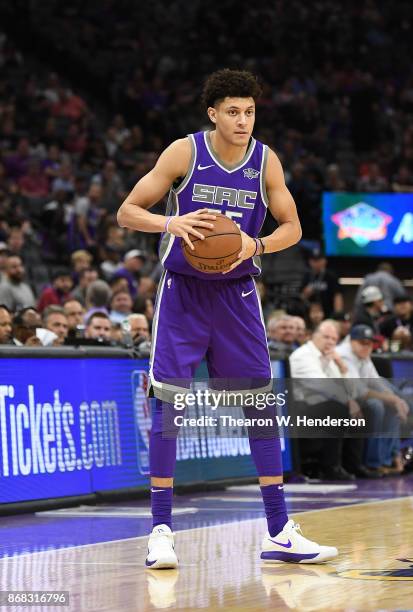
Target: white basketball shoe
{"points": [[290, 546], [161, 553]]}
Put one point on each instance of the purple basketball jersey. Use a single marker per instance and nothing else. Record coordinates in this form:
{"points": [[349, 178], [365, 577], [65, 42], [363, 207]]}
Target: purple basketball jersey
{"points": [[238, 192]]}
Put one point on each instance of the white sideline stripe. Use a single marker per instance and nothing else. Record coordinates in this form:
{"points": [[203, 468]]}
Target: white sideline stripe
{"points": [[137, 538], [301, 488], [311, 500], [119, 513]]}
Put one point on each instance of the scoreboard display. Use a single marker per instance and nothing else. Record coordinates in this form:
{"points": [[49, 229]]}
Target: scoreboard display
{"points": [[368, 224]]}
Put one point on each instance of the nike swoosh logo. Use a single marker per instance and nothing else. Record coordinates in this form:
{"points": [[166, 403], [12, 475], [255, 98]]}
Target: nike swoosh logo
{"points": [[288, 545], [205, 167], [149, 563], [156, 490], [247, 293]]}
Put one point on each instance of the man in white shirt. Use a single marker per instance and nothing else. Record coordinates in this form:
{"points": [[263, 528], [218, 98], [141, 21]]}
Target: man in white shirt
{"points": [[324, 389], [383, 408]]}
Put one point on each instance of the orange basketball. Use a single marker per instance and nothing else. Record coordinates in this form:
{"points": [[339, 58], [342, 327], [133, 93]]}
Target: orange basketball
{"points": [[219, 249]]}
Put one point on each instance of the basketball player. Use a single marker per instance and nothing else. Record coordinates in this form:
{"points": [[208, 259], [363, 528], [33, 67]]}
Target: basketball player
{"points": [[217, 316]]}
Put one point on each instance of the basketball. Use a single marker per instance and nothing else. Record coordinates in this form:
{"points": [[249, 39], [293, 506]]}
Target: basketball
{"points": [[219, 249]]}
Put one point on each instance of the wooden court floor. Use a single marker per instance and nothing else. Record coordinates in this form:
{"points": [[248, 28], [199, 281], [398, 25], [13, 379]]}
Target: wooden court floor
{"points": [[220, 568]]}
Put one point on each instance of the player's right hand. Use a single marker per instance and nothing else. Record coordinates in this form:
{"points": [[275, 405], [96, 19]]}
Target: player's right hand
{"points": [[183, 225]]}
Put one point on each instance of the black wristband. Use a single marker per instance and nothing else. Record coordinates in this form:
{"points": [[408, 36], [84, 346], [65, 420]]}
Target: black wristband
{"points": [[262, 246]]}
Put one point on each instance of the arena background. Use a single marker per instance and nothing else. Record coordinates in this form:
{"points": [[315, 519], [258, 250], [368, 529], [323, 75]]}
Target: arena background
{"points": [[91, 91]]}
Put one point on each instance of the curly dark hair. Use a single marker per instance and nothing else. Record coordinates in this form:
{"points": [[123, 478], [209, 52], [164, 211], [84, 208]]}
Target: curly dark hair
{"points": [[229, 83]]}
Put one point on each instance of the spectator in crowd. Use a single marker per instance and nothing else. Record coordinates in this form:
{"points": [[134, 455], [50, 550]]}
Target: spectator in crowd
{"points": [[15, 240], [119, 284], [334, 180], [111, 142], [68, 105], [64, 180], [80, 260], [147, 287], [98, 327], [87, 215], [98, 296], [34, 184], [18, 163], [343, 320], [116, 334], [120, 306], [282, 332], [301, 332], [58, 292], [382, 406], [14, 292], [399, 326], [371, 310], [55, 320], [5, 325], [111, 261], [319, 284], [25, 324], [22, 242], [403, 180], [315, 314], [54, 218], [113, 191], [144, 305], [132, 265], [139, 333], [86, 277], [139, 327], [75, 313], [386, 281], [372, 179], [312, 364], [112, 251]]}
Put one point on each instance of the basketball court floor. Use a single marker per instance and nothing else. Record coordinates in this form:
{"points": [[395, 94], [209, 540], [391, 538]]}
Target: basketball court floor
{"points": [[96, 553]]}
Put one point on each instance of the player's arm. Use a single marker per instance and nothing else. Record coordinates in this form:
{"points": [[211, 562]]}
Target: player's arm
{"points": [[282, 208], [134, 214]]}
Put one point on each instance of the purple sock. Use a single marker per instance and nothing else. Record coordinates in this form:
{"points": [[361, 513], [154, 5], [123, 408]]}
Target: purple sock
{"points": [[162, 458], [161, 503], [275, 510], [266, 453]]}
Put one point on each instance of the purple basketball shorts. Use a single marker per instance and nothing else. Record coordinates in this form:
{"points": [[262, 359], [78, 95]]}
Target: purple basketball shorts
{"points": [[219, 320]]}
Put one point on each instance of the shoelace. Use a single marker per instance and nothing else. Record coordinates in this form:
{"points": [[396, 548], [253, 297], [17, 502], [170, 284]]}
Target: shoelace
{"points": [[297, 528]]}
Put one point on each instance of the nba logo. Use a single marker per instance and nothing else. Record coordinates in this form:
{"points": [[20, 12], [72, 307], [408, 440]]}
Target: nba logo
{"points": [[142, 410]]}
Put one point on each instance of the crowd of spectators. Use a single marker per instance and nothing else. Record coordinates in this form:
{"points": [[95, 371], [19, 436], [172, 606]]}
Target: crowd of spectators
{"points": [[337, 80], [340, 380], [66, 162], [336, 107], [78, 306], [347, 346]]}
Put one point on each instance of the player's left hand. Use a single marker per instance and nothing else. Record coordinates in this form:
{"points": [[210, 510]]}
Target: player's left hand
{"points": [[247, 251]]}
